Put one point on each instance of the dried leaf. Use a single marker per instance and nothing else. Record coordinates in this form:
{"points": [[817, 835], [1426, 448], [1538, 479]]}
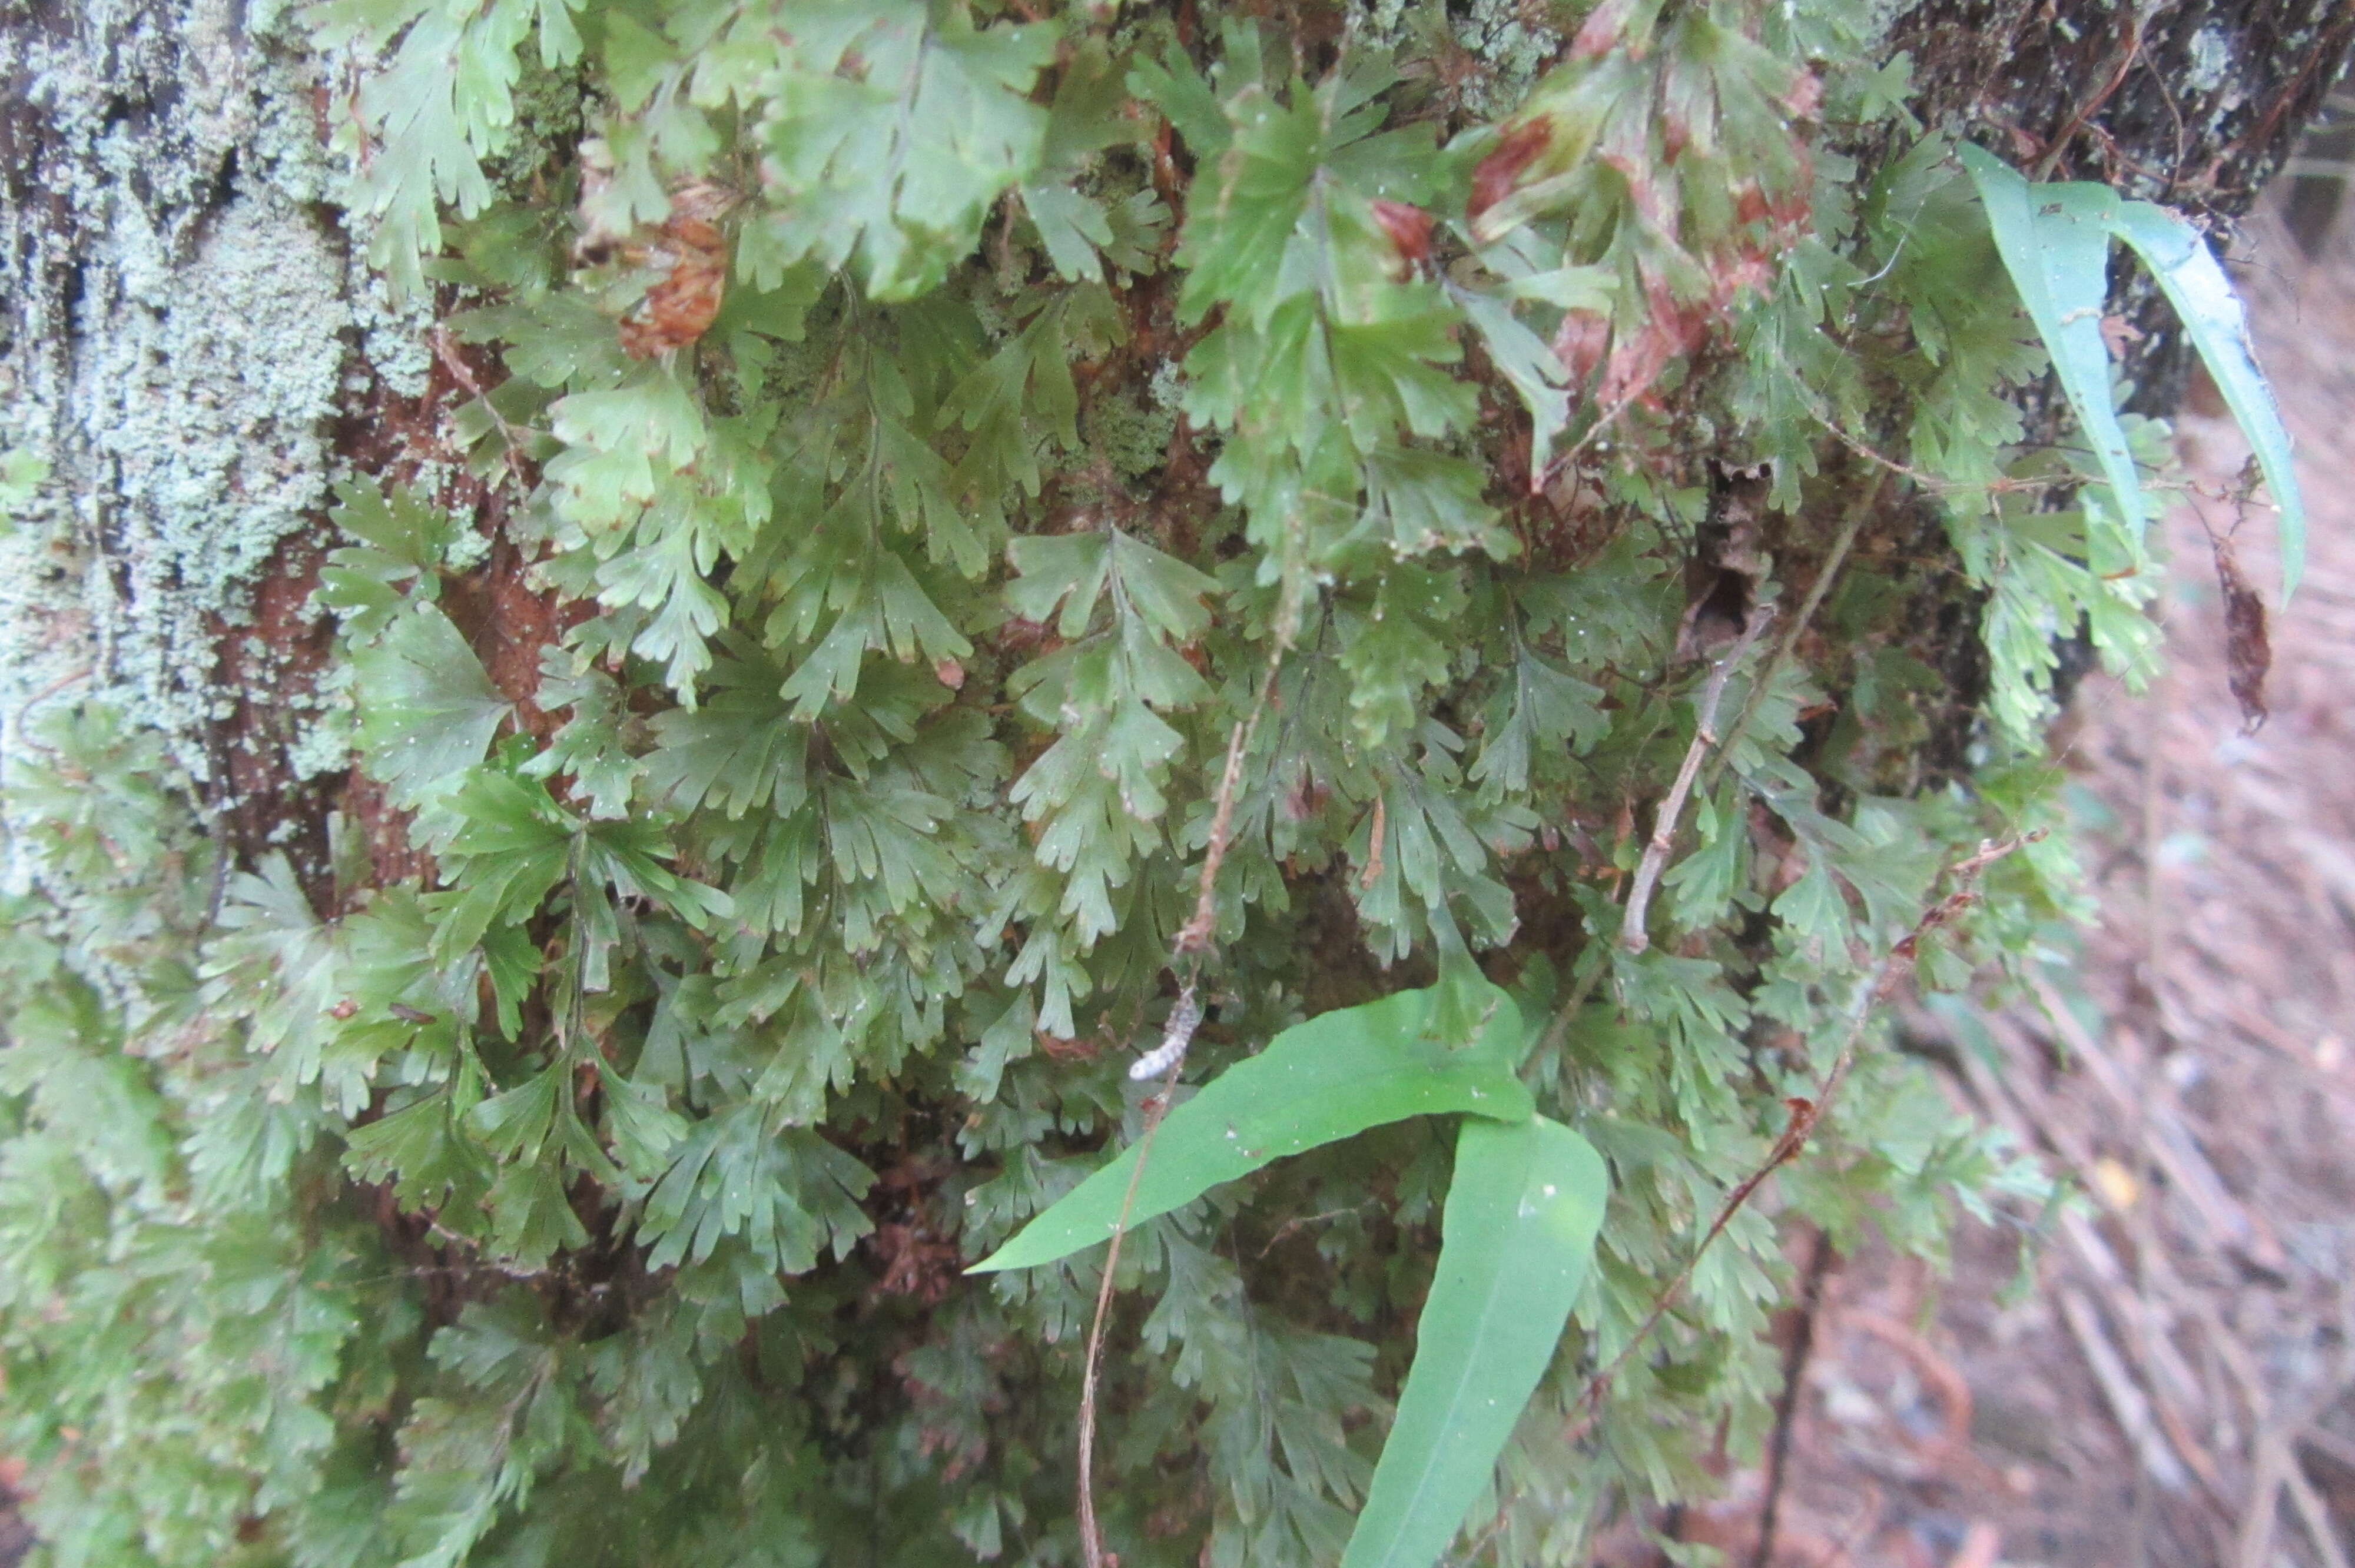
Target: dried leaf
{"points": [[2248, 654], [1515, 149], [1409, 229], [693, 254]]}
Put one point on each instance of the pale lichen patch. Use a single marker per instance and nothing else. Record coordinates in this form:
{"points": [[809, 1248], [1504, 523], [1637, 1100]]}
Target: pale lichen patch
{"points": [[185, 319]]}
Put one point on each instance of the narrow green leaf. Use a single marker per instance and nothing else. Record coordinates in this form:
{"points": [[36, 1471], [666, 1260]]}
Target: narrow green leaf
{"points": [[2211, 311], [2055, 242], [1518, 1241], [1338, 1073]]}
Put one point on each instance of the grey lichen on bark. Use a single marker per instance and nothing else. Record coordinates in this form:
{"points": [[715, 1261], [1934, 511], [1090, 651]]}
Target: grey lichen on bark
{"points": [[181, 313]]}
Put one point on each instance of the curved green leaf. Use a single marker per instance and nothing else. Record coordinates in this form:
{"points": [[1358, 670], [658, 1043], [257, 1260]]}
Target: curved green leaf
{"points": [[1338, 1073], [1519, 1238], [2211, 312], [2055, 243]]}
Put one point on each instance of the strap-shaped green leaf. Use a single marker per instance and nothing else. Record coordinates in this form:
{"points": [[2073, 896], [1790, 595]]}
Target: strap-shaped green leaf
{"points": [[1518, 1240], [2055, 242], [2211, 311], [1338, 1073]]}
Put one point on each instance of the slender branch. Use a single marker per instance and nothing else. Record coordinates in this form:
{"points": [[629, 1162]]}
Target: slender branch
{"points": [[25, 709], [446, 352], [2059, 145], [1632, 935], [1090, 1536], [1567, 1014], [1851, 526], [1186, 955], [1787, 1405], [1602, 423], [1194, 936], [1804, 1114]]}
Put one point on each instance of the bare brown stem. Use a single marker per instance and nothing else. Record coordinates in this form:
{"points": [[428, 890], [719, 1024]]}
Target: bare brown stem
{"points": [[1090, 1536], [1186, 955], [1194, 936], [1851, 526], [1804, 1114], [1786, 1404], [1632, 935]]}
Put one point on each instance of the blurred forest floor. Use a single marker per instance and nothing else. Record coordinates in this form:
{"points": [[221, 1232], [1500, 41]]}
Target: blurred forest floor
{"points": [[2174, 1383]]}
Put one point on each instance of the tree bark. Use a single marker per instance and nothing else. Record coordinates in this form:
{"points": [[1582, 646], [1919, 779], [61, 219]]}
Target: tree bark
{"points": [[190, 347]]}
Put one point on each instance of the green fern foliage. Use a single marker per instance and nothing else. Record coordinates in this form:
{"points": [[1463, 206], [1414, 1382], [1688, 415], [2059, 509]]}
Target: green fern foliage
{"points": [[904, 447]]}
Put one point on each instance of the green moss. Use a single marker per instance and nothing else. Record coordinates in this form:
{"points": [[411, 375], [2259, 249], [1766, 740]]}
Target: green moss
{"points": [[1131, 435], [550, 118]]}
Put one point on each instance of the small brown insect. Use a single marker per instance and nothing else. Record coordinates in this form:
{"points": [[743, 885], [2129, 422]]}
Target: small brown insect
{"points": [[2248, 651]]}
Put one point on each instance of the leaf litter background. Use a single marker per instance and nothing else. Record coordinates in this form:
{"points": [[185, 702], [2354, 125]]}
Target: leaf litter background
{"points": [[2178, 1384]]}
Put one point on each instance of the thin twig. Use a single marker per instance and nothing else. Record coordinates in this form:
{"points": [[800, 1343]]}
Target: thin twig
{"points": [[2059, 145], [446, 352], [2011, 1100], [2274, 1457], [1851, 526], [1567, 1014], [1930, 483], [1194, 936], [2129, 1406], [1602, 423], [1186, 953], [25, 709], [2312, 1514], [1091, 1537], [1786, 1404], [1632, 935], [1804, 1114]]}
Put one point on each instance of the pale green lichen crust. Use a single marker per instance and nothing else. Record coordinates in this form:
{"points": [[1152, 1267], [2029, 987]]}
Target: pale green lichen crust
{"points": [[185, 313]]}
